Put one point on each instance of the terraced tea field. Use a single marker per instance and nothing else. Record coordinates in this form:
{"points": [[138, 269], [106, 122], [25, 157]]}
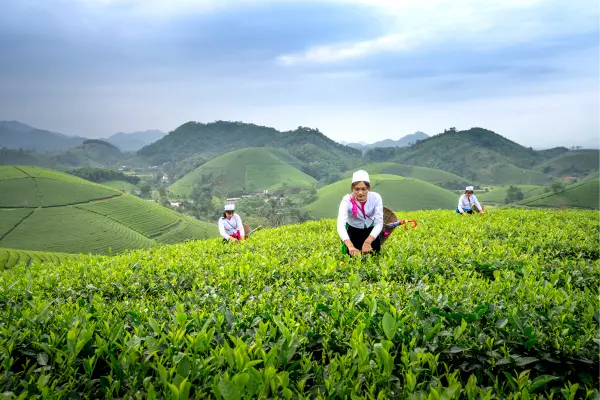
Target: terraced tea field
{"points": [[49, 211], [500, 306]]}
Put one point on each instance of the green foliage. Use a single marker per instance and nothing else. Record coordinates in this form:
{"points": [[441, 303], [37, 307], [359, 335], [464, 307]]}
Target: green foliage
{"points": [[558, 186], [513, 194], [11, 257], [274, 211], [102, 175], [245, 171], [460, 307], [398, 193]]}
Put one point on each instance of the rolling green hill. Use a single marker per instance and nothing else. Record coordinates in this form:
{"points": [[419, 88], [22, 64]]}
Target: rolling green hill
{"points": [[437, 177], [398, 193], [497, 194], [479, 155], [91, 154], [578, 163], [46, 210], [584, 194], [249, 170], [217, 138]]}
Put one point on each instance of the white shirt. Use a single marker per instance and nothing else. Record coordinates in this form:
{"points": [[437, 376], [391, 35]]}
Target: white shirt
{"points": [[464, 202], [228, 227], [373, 211]]}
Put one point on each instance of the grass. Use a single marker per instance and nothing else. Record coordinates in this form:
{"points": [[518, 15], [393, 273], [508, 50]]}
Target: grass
{"points": [[431, 175], [56, 212], [584, 194], [249, 170], [398, 193]]}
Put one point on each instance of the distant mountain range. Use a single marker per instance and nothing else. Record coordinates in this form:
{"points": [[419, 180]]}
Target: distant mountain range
{"points": [[135, 140], [17, 135], [402, 142], [478, 155]]}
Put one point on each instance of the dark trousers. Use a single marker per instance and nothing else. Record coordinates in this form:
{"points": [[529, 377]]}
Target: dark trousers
{"points": [[358, 237]]}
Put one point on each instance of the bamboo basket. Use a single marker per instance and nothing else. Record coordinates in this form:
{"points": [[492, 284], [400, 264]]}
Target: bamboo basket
{"points": [[388, 217], [246, 230]]}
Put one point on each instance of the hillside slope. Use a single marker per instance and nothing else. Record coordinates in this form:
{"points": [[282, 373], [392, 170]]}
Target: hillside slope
{"points": [[247, 170], [46, 210], [194, 138], [16, 135], [578, 163], [398, 193], [584, 194], [438, 177], [478, 155]]}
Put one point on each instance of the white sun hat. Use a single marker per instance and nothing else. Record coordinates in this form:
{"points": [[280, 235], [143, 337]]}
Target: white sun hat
{"points": [[469, 188], [359, 176], [229, 207]]}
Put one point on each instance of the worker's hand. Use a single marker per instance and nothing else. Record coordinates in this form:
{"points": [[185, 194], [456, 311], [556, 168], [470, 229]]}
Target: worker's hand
{"points": [[353, 251], [233, 238], [366, 248], [482, 212]]}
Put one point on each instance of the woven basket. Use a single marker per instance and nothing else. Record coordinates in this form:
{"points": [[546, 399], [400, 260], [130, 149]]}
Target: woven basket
{"points": [[246, 229], [388, 217]]}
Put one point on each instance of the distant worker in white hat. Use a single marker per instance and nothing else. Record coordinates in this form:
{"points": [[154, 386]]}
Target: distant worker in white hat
{"points": [[360, 217], [467, 202], [230, 225]]}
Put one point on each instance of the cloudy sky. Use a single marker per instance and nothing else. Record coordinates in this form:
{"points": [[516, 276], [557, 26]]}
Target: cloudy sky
{"points": [[359, 70]]}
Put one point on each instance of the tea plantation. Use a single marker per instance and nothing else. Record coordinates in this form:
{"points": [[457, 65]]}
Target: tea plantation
{"points": [[501, 306], [50, 211]]}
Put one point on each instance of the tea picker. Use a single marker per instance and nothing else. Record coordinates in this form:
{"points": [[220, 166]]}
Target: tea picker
{"points": [[360, 217], [231, 227], [468, 202]]}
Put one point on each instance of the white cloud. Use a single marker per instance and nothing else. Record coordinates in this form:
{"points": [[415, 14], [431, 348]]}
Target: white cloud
{"points": [[415, 25]]}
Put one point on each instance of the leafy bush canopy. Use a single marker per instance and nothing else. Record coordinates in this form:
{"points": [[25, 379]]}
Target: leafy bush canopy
{"points": [[460, 307]]}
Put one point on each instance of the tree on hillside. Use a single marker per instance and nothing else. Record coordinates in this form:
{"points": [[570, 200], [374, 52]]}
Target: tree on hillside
{"points": [[145, 190], [513, 194], [557, 186]]}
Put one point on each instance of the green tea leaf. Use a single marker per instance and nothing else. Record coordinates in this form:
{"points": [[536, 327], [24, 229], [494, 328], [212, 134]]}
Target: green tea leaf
{"points": [[389, 326]]}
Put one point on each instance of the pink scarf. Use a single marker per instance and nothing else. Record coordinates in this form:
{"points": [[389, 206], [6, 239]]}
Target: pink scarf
{"points": [[354, 206]]}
